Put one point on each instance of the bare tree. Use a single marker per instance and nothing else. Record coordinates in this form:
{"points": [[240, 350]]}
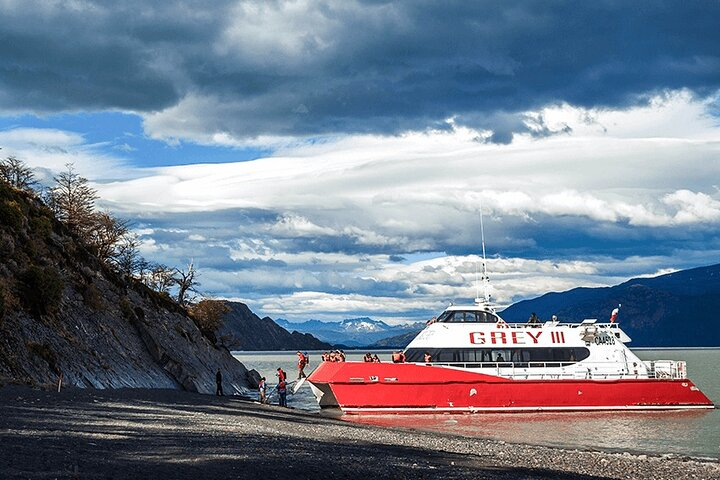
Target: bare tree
{"points": [[143, 269], [104, 233], [126, 257], [186, 282], [208, 314], [160, 278], [15, 173], [73, 201]]}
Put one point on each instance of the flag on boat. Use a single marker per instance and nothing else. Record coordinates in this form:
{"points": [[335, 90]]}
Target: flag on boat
{"points": [[614, 314]]}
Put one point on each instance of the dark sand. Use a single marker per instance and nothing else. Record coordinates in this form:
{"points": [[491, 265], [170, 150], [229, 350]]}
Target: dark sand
{"points": [[124, 434]]}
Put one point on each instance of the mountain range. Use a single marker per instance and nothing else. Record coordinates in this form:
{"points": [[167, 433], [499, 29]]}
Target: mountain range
{"points": [[352, 332], [241, 329], [675, 310]]}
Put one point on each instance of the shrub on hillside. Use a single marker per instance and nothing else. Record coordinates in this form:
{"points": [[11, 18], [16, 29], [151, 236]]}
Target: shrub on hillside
{"points": [[2, 301], [127, 310], [92, 297], [41, 226], [42, 289], [7, 245], [11, 214], [207, 315]]}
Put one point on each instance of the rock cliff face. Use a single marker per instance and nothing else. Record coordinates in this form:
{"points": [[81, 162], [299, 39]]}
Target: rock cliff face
{"points": [[243, 330], [64, 312]]}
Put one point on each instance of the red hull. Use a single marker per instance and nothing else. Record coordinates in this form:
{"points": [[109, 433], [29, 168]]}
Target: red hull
{"points": [[358, 387]]}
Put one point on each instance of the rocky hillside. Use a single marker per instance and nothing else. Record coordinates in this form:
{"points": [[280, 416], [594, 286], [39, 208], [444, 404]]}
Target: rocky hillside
{"points": [[675, 310], [243, 330], [63, 312]]}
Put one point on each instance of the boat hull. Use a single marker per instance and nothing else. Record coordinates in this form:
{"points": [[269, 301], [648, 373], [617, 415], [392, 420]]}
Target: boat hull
{"points": [[358, 387]]}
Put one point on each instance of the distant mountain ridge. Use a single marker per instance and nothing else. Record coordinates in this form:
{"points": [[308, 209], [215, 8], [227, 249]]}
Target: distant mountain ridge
{"points": [[674, 310], [243, 330], [353, 332]]}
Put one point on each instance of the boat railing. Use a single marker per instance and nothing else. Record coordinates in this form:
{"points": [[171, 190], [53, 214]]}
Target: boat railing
{"points": [[524, 325], [658, 369]]}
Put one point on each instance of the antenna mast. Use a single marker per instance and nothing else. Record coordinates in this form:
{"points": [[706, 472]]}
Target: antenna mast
{"points": [[485, 279]]}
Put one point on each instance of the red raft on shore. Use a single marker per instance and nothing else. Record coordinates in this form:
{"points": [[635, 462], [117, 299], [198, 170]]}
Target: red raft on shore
{"points": [[479, 363]]}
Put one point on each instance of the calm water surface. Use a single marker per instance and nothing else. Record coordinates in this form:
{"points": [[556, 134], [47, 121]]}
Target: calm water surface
{"points": [[694, 433]]}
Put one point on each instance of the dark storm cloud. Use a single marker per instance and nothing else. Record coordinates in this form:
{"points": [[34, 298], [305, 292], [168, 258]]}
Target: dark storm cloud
{"points": [[345, 67], [98, 55]]}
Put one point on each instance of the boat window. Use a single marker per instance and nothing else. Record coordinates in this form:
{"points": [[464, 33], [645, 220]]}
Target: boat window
{"points": [[533, 357], [486, 317], [458, 316]]}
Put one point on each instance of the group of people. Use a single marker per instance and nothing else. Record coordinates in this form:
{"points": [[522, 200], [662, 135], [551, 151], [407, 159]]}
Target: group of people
{"points": [[370, 358], [399, 357], [535, 321], [281, 388], [334, 356]]}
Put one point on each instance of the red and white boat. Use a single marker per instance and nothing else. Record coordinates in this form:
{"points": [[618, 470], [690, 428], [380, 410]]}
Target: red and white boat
{"points": [[480, 363]]}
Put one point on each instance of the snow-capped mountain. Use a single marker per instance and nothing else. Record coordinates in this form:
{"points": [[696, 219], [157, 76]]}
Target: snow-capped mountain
{"points": [[364, 325], [354, 332]]}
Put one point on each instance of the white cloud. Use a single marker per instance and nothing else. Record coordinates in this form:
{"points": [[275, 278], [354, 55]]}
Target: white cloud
{"points": [[51, 150], [334, 211], [298, 226], [615, 166], [693, 207]]}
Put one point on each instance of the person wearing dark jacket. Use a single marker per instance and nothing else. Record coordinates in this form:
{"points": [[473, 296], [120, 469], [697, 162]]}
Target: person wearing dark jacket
{"points": [[218, 381]]}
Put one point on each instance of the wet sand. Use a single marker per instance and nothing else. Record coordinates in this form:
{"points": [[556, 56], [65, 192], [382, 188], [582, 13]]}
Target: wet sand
{"points": [[124, 434]]}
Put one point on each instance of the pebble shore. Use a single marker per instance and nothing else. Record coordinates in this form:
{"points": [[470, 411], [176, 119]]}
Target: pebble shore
{"points": [[124, 434]]}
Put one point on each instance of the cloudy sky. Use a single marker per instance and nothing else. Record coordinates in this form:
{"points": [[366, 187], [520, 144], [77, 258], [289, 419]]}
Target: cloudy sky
{"points": [[330, 159]]}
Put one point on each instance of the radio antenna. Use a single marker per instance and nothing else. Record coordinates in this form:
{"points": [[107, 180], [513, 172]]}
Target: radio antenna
{"points": [[485, 279]]}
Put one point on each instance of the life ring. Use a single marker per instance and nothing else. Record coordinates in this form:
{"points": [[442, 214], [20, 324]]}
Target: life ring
{"points": [[501, 324]]}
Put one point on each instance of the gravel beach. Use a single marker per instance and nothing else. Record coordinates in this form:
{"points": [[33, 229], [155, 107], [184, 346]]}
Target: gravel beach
{"points": [[118, 434]]}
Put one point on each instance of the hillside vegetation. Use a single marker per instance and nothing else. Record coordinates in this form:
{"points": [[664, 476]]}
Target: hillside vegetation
{"points": [[66, 311]]}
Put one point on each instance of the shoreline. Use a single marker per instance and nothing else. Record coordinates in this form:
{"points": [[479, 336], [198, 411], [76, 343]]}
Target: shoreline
{"points": [[136, 433], [565, 448]]}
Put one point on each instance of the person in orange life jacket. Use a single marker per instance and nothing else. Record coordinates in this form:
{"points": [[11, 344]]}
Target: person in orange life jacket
{"points": [[398, 357], [282, 376], [302, 361], [282, 393]]}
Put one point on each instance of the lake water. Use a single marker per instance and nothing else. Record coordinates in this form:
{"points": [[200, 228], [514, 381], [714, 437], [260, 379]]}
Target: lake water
{"points": [[692, 433]]}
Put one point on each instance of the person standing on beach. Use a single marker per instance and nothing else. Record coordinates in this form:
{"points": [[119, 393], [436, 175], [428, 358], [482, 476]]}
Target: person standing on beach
{"points": [[262, 388], [218, 382]]}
